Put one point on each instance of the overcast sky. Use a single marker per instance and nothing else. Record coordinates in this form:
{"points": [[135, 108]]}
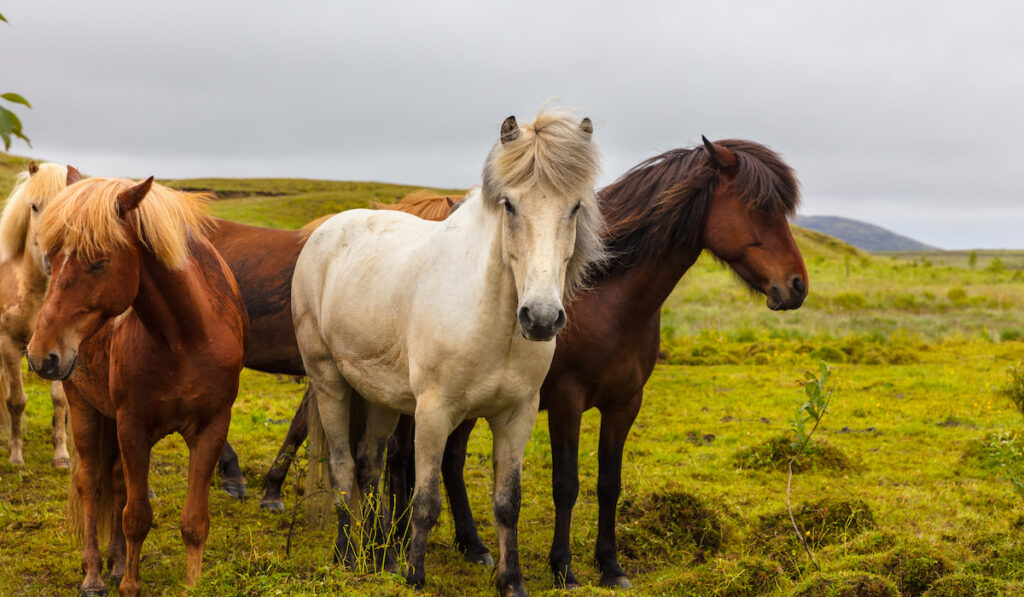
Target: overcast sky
{"points": [[909, 115]]}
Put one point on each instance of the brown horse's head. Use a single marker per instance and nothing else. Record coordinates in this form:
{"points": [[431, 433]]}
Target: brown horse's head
{"points": [[90, 283], [747, 227]]}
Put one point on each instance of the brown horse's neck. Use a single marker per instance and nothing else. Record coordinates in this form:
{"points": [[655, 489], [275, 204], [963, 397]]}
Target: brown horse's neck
{"points": [[649, 284], [168, 302]]}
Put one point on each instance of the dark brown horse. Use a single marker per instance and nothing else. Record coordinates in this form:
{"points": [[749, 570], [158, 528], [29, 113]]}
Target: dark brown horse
{"points": [[262, 261], [144, 324], [730, 197]]}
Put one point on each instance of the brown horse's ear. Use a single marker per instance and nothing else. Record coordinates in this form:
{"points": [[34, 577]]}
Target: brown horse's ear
{"points": [[73, 175], [509, 130], [129, 199], [450, 202], [587, 127], [33, 167], [724, 159]]}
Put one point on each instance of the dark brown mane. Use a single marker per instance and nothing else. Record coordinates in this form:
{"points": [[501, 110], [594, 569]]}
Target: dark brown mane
{"points": [[661, 204]]}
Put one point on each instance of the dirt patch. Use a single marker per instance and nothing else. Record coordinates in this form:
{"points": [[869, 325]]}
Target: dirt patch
{"points": [[847, 584], [823, 523], [659, 523], [775, 453], [700, 440], [966, 585]]}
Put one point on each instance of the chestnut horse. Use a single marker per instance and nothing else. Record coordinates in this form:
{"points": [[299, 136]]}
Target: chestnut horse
{"points": [[262, 261], [732, 198], [23, 281], [144, 324]]}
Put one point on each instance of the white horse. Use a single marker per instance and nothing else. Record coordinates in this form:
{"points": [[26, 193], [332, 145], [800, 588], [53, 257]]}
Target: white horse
{"points": [[448, 320], [23, 281]]}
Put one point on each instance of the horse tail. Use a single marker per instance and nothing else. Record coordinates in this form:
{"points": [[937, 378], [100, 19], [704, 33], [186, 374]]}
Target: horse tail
{"points": [[106, 429], [319, 492]]}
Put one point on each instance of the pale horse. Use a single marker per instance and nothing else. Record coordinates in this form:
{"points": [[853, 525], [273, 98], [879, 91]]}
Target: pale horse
{"points": [[24, 276], [448, 320]]}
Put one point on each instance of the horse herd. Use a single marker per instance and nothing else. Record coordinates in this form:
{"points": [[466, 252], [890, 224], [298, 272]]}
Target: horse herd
{"points": [[143, 310]]}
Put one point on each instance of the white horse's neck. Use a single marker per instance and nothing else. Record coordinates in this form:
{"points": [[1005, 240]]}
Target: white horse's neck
{"points": [[483, 245]]}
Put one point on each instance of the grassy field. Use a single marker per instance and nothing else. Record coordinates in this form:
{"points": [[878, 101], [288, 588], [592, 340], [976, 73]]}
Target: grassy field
{"points": [[909, 491]]}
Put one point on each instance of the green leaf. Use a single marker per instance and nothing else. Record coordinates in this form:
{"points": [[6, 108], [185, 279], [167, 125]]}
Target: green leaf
{"points": [[6, 127], [16, 99]]}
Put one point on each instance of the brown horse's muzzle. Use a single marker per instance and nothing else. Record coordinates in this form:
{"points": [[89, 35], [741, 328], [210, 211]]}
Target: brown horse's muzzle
{"points": [[783, 297], [53, 366]]}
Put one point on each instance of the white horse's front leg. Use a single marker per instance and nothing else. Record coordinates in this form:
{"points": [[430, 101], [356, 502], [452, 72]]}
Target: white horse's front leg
{"points": [[511, 432], [434, 422]]}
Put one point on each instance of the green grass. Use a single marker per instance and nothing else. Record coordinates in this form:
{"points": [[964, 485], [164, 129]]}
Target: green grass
{"points": [[925, 495]]}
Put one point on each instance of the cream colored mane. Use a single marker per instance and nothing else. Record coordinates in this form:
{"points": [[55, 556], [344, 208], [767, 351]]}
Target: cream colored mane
{"points": [[553, 153], [40, 188], [83, 220]]}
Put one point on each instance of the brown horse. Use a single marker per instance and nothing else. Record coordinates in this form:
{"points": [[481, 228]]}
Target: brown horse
{"points": [[730, 197], [144, 324], [23, 281], [262, 261]]}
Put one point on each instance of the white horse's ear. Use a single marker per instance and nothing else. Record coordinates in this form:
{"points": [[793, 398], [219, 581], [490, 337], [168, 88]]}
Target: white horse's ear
{"points": [[587, 127], [73, 175], [129, 199], [509, 130]]}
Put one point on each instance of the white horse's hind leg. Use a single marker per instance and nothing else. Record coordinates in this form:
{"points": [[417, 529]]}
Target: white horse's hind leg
{"points": [[61, 458], [434, 423], [380, 425], [511, 431]]}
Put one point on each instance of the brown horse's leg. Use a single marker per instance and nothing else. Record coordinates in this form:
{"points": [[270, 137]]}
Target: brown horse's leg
{"points": [[564, 428], [232, 481], [16, 401], [401, 475], [204, 449], [466, 536], [61, 458], [138, 514], [297, 432], [380, 424], [116, 552], [89, 442], [615, 425]]}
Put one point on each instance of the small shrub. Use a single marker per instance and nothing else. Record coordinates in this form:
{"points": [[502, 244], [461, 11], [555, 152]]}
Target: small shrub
{"points": [[956, 294], [915, 568], [1011, 335], [995, 266], [775, 453], [847, 584], [966, 585], [1014, 389], [849, 301], [664, 522], [826, 522]]}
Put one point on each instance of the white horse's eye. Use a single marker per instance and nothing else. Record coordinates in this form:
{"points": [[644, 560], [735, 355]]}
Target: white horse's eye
{"points": [[509, 209], [576, 208]]}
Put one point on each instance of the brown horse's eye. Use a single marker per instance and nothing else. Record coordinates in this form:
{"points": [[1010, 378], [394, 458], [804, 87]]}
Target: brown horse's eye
{"points": [[99, 266], [35, 208]]}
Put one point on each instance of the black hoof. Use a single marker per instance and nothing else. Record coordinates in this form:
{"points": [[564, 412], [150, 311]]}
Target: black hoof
{"points": [[566, 581], [482, 559], [93, 592], [416, 582], [234, 487], [272, 504], [616, 582]]}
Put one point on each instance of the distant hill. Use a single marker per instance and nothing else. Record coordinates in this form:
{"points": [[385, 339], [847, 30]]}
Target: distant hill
{"points": [[861, 234]]}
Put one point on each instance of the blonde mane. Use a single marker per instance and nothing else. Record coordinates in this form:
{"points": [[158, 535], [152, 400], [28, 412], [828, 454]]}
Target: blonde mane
{"points": [[39, 188], [554, 153], [83, 220]]}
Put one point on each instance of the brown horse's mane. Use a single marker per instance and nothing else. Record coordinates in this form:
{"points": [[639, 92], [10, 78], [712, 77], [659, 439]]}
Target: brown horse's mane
{"points": [[662, 203]]}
